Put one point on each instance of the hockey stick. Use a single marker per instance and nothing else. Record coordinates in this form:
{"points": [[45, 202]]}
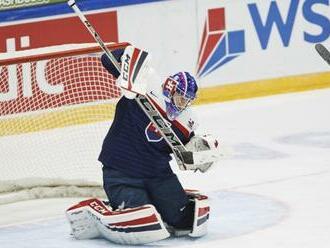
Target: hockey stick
{"points": [[323, 52], [181, 155]]}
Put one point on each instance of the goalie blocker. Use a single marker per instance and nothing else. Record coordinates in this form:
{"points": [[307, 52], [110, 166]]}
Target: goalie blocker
{"points": [[132, 226]]}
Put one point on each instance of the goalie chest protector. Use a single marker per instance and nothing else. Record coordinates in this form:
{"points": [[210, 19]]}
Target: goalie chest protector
{"points": [[134, 146]]}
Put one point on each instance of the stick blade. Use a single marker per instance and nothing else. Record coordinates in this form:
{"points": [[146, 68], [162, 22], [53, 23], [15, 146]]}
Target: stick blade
{"points": [[324, 53]]}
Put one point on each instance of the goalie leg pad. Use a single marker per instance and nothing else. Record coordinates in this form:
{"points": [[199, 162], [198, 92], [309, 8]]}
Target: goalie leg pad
{"points": [[81, 221], [130, 226], [201, 216]]}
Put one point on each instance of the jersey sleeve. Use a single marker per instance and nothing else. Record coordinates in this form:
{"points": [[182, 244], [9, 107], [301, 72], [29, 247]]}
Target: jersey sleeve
{"points": [[108, 65]]}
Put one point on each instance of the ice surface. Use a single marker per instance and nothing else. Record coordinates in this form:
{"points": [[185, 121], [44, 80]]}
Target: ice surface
{"points": [[271, 191], [233, 214]]}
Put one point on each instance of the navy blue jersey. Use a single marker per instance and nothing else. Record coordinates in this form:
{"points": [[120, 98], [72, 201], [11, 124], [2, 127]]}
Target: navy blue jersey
{"points": [[133, 145]]}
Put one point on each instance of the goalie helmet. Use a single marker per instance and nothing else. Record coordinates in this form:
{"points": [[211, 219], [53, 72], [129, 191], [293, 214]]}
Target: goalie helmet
{"points": [[179, 91]]}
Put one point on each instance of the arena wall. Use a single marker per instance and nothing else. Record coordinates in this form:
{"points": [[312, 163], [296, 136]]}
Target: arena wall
{"points": [[250, 48]]}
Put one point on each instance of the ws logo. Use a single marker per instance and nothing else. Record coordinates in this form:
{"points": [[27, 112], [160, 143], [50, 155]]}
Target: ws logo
{"points": [[219, 46]]}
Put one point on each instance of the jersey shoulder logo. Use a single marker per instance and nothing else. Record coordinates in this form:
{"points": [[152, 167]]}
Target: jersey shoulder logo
{"points": [[152, 134]]}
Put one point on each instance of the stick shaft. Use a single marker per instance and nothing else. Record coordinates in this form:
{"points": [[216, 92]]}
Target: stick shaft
{"points": [[179, 150], [93, 32], [323, 52]]}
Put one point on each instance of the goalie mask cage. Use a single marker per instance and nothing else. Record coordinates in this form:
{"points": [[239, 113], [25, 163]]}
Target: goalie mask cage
{"points": [[56, 106]]}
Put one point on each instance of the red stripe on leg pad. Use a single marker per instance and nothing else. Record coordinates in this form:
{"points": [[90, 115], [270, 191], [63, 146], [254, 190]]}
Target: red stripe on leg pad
{"points": [[95, 204], [82, 204], [203, 211], [141, 221]]}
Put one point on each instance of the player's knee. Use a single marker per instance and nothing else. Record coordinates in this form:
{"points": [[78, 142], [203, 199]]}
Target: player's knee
{"points": [[122, 191], [126, 197]]}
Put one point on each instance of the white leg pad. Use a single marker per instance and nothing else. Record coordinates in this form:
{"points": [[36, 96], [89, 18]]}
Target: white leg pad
{"points": [[133, 226], [201, 216], [82, 224]]}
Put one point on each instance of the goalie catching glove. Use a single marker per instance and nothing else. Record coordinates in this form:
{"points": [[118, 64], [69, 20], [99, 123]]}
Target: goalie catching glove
{"points": [[135, 72], [205, 152]]}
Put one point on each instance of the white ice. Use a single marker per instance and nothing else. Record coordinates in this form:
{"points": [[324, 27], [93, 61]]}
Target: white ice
{"points": [[272, 190]]}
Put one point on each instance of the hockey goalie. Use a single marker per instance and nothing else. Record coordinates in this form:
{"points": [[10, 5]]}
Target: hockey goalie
{"points": [[146, 202]]}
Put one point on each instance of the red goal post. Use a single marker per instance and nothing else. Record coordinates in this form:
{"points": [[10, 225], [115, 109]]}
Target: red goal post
{"points": [[56, 105], [53, 52]]}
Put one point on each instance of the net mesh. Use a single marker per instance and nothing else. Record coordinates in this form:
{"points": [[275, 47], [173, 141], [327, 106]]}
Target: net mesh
{"points": [[54, 114]]}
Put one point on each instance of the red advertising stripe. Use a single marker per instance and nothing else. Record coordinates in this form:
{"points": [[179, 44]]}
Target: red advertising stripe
{"points": [[60, 81], [216, 19], [82, 80], [212, 33], [201, 48], [60, 31], [212, 41]]}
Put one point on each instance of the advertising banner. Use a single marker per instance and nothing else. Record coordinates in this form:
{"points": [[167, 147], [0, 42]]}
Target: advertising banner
{"points": [[267, 43], [13, 4], [57, 31], [43, 85], [257, 39]]}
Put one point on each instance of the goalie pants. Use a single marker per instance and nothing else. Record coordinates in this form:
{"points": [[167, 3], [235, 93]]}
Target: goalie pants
{"points": [[165, 193]]}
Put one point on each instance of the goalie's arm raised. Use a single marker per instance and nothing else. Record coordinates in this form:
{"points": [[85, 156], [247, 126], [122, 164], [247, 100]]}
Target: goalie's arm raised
{"points": [[134, 70]]}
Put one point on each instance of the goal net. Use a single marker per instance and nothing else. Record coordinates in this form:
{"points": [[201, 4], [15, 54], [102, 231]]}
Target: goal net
{"points": [[56, 106]]}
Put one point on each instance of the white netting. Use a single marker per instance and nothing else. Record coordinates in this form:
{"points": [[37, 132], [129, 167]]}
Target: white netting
{"points": [[54, 114]]}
